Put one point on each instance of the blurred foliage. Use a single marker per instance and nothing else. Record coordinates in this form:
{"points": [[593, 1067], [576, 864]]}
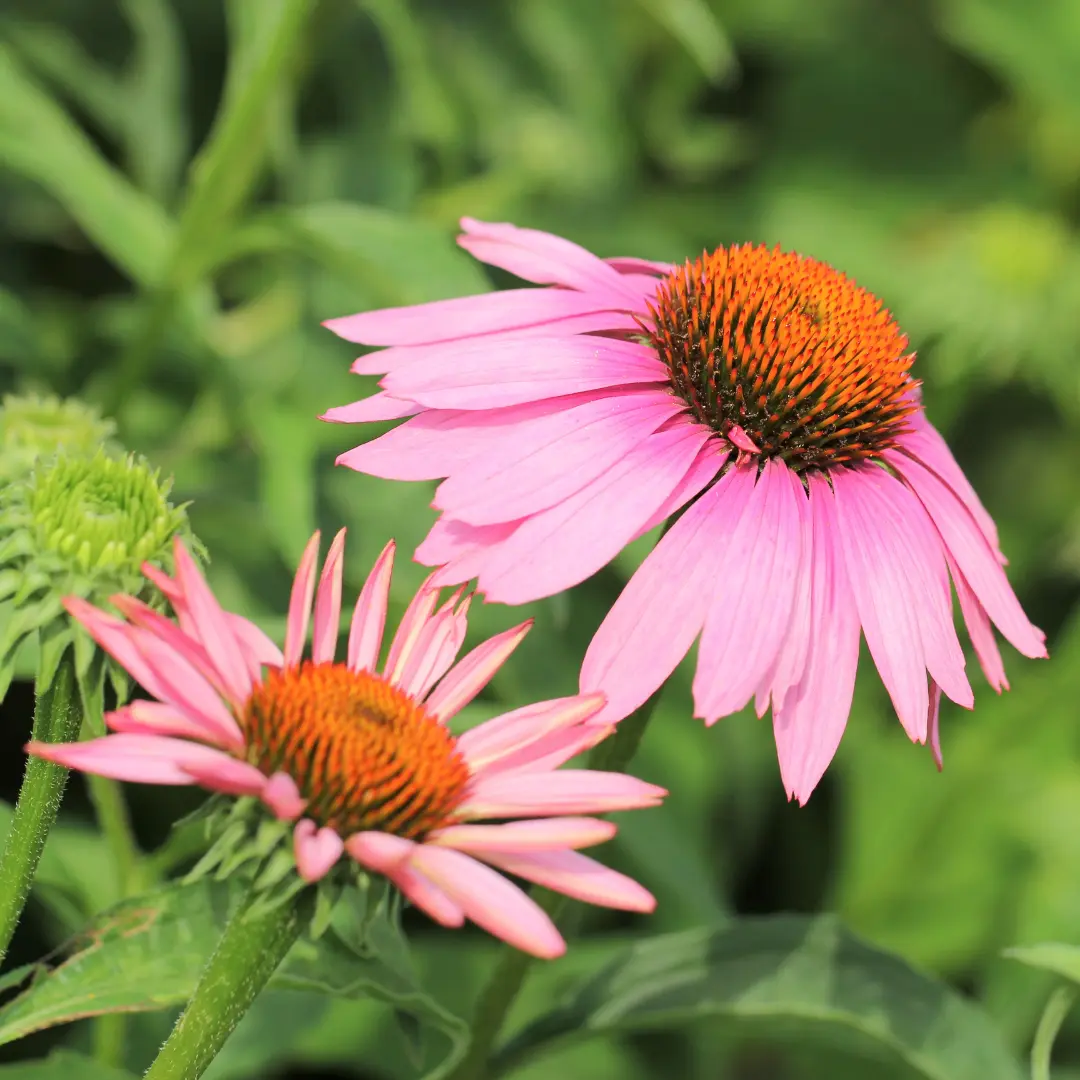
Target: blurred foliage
{"points": [[188, 187]]}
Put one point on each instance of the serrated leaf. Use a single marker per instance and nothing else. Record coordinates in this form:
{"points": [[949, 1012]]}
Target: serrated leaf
{"points": [[785, 975]]}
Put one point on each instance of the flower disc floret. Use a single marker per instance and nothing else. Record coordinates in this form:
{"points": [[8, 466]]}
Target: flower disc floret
{"points": [[786, 349]]}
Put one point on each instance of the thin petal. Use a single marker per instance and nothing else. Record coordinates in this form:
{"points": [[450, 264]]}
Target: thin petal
{"points": [[378, 407], [756, 560], [809, 721], [490, 901], [410, 629], [157, 718], [437, 648], [303, 590], [473, 672], [979, 629], [328, 604], [142, 759], [576, 875], [316, 850], [369, 616], [258, 649], [226, 775], [552, 794], [544, 834], [654, 622]]}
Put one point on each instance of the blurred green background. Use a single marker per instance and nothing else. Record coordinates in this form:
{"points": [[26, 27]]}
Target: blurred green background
{"points": [[188, 187]]}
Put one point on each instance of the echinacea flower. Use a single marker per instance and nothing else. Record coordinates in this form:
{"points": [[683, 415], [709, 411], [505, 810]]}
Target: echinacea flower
{"points": [[360, 758], [765, 396]]}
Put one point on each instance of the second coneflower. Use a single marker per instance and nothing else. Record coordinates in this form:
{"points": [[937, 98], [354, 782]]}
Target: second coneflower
{"points": [[361, 755], [765, 395]]}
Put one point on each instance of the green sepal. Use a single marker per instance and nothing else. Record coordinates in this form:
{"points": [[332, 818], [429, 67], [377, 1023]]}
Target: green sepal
{"points": [[92, 692]]}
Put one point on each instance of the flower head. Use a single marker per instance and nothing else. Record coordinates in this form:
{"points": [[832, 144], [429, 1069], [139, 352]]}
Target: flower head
{"points": [[361, 757], [762, 396], [80, 525]]}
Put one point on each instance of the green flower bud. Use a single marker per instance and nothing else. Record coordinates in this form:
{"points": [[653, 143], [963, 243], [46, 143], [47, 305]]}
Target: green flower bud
{"points": [[34, 428]]}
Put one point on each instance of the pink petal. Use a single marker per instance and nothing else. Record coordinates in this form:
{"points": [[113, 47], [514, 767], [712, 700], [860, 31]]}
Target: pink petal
{"points": [[488, 743], [490, 901], [390, 855], [552, 751], [227, 775], [369, 616], [258, 649], [576, 875], [283, 797], [453, 542], [873, 544], [473, 672], [328, 604], [756, 561], [551, 794], [378, 407], [316, 850], [212, 627], [933, 726], [979, 629], [630, 265], [438, 647], [156, 718], [491, 374], [553, 457], [810, 720], [543, 258], [560, 547], [142, 759], [710, 459], [463, 317], [544, 834], [303, 590], [973, 554], [654, 622], [410, 630]]}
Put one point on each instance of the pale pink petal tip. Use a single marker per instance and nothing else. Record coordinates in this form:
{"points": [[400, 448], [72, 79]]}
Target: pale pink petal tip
{"points": [[300, 603], [283, 797], [316, 850]]}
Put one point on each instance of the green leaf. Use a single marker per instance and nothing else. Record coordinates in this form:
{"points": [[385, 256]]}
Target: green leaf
{"points": [[146, 954], [1052, 956], [38, 140], [63, 1065], [780, 977]]}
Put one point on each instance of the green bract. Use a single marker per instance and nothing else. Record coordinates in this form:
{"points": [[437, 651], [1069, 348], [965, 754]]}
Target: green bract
{"points": [[79, 526]]}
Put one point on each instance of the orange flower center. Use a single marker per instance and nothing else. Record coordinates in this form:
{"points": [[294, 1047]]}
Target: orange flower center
{"points": [[810, 366], [363, 753]]}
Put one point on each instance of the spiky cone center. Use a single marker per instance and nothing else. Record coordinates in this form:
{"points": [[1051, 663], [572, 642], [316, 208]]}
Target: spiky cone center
{"points": [[809, 365], [101, 514], [364, 754]]}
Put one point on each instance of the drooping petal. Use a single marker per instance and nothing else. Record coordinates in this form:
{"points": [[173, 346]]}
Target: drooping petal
{"points": [[933, 726], [972, 553], [492, 374], [560, 547], [328, 604], [316, 850], [369, 616], [654, 622], [157, 718], [283, 797], [141, 759], [378, 407], [544, 834], [979, 629], [551, 794], [809, 721], [490, 901], [303, 590], [553, 457], [710, 459], [756, 560], [473, 672], [575, 875]]}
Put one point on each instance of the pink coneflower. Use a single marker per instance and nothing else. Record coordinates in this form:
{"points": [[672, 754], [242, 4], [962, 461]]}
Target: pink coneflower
{"points": [[766, 396], [363, 761]]}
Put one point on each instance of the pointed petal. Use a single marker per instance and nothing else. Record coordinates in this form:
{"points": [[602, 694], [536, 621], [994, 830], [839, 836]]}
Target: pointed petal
{"points": [[576, 875], [490, 901], [156, 718], [259, 651], [473, 672], [654, 622], [410, 630], [378, 407], [328, 604], [932, 724], [979, 629], [543, 834], [303, 590], [369, 616], [552, 794], [316, 850]]}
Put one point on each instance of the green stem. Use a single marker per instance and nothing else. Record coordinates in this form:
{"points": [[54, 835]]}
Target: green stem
{"points": [[1057, 1008], [255, 941], [512, 967], [57, 716]]}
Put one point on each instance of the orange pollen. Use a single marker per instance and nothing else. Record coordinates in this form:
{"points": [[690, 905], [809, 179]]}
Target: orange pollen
{"points": [[362, 752], [813, 368]]}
